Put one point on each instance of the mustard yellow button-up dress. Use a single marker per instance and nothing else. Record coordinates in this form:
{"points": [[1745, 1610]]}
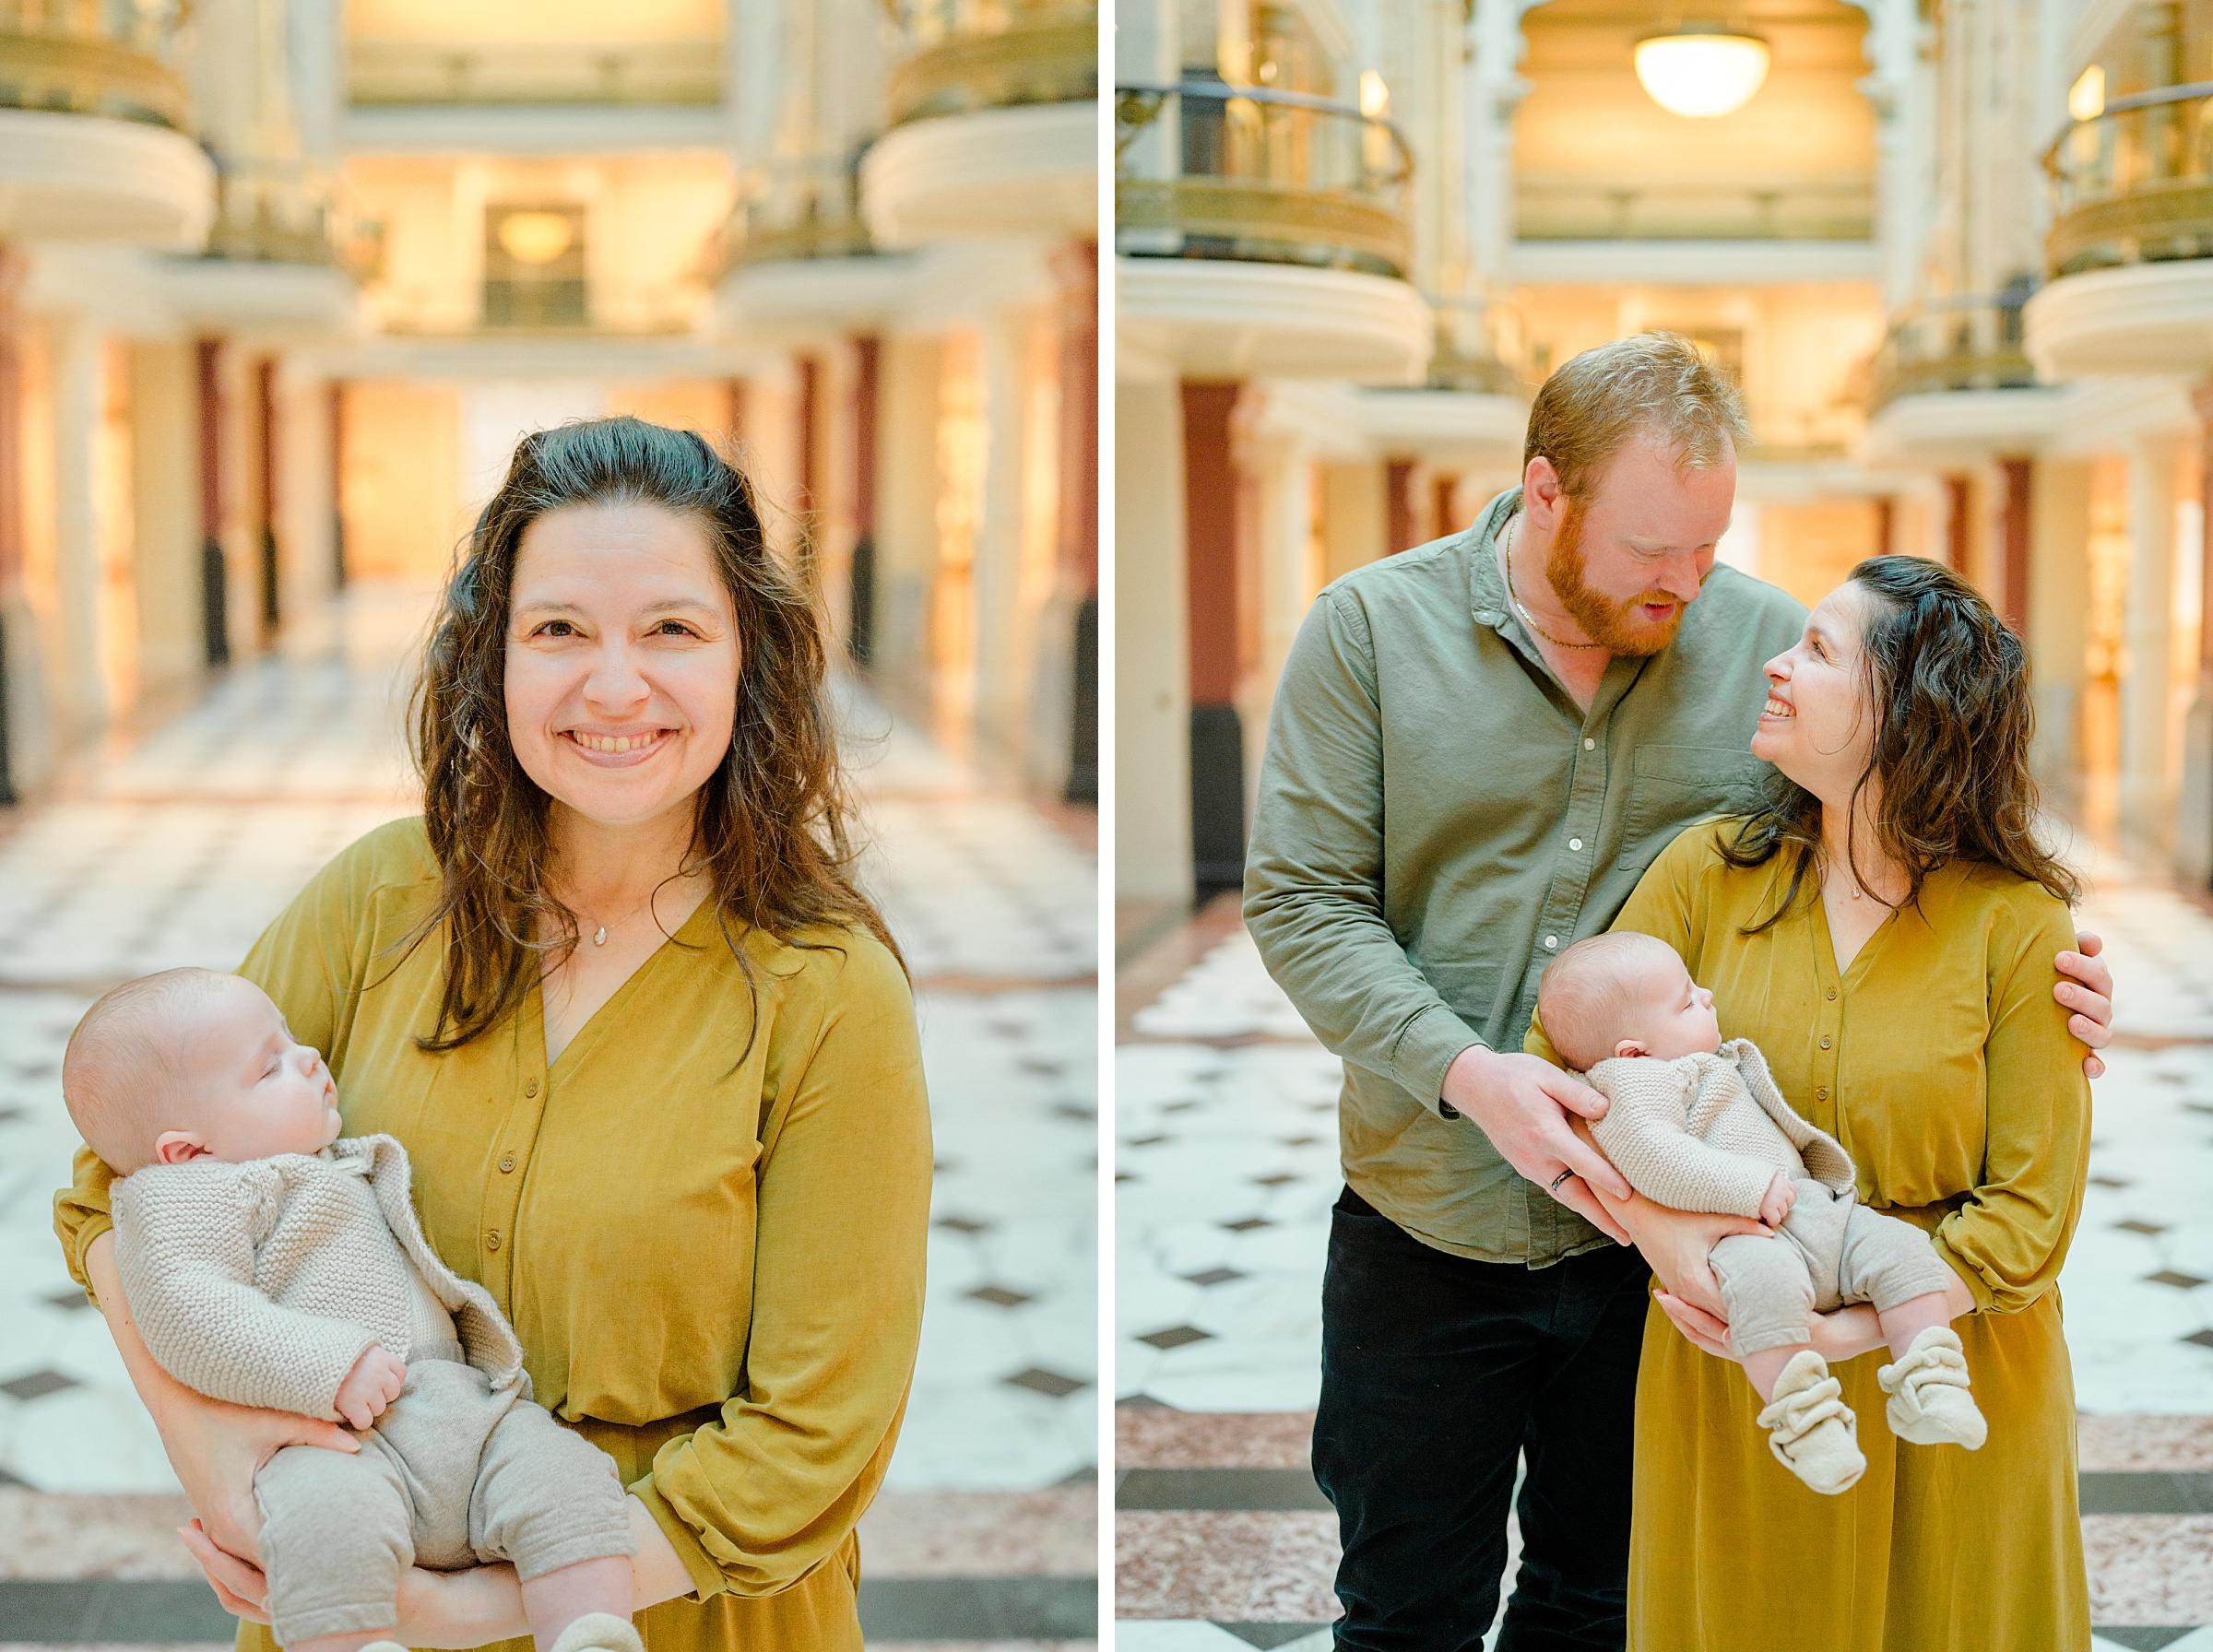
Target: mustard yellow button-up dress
{"points": [[1942, 1063], [705, 1220]]}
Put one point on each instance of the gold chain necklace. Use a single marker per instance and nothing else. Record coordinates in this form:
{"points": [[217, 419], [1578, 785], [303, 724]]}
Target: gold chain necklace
{"points": [[1527, 618], [600, 935]]}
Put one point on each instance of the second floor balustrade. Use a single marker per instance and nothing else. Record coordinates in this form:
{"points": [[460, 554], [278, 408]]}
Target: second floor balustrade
{"points": [[656, 72], [2133, 184], [1475, 347], [98, 58], [1970, 342], [1550, 208], [273, 213], [1208, 171], [966, 55], [799, 210]]}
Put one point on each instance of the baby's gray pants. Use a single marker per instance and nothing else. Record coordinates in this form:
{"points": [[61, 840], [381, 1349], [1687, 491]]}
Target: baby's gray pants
{"points": [[452, 1475], [1831, 1250]]}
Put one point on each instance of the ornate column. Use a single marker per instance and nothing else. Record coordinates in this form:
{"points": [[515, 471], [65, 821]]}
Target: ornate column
{"points": [[1077, 269], [2194, 807], [1213, 601], [2146, 627], [18, 655]]}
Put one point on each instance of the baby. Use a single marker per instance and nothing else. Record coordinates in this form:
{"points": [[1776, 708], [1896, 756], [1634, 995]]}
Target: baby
{"points": [[1697, 1125], [269, 1264]]}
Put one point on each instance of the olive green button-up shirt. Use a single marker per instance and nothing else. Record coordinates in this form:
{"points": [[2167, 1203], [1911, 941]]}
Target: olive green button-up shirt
{"points": [[1438, 818]]}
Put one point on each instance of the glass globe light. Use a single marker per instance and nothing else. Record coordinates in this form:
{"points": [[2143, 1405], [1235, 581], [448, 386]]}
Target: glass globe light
{"points": [[1702, 70]]}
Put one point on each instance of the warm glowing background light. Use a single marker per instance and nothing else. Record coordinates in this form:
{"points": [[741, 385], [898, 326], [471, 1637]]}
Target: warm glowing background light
{"points": [[1702, 70]]}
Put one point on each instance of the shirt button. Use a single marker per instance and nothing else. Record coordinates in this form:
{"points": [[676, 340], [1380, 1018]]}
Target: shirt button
{"points": [[1590, 745], [492, 1239], [1575, 842], [1550, 941], [506, 1161], [531, 1088], [1832, 993], [1821, 1094], [1824, 1043]]}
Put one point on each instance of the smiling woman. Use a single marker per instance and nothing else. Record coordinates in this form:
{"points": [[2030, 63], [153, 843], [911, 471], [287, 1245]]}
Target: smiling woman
{"points": [[653, 1057]]}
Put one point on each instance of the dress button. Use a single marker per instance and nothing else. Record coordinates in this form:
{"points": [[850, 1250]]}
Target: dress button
{"points": [[1825, 1042], [506, 1161], [1821, 1094], [492, 1239], [531, 1088], [1575, 842], [1832, 993]]}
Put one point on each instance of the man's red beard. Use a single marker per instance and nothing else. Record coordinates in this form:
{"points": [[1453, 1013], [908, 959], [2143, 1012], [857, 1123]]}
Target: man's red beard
{"points": [[1604, 619]]}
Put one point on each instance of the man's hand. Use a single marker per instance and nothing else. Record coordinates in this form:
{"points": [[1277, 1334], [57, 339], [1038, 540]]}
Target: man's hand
{"points": [[1523, 1104], [2089, 992], [372, 1384], [1781, 1196]]}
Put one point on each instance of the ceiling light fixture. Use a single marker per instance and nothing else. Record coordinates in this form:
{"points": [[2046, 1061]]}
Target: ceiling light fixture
{"points": [[1702, 70]]}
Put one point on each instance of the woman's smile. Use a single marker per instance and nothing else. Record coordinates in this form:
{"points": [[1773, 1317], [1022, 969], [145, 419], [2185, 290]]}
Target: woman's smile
{"points": [[1776, 708], [623, 750]]}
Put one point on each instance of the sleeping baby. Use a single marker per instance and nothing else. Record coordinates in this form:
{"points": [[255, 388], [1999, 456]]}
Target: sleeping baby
{"points": [[1697, 1125], [269, 1264]]}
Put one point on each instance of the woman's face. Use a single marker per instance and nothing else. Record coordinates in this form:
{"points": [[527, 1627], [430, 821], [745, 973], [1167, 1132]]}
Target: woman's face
{"points": [[1819, 725], [623, 659]]}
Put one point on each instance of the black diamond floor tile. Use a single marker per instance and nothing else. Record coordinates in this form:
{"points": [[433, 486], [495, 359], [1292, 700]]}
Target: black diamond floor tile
{"points": [[999, 1296], [37, 1384], [1176, 1336], [1051, 1383], [69, 1301], [2132, 1226], [1215, 1276], [1247, 1224], [2180, 1282], [965, 1225], [2203, 1339]]}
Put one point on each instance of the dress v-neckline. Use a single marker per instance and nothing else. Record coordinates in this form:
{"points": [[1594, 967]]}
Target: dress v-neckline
{"points": [[1847, 970], [589, 1033]]}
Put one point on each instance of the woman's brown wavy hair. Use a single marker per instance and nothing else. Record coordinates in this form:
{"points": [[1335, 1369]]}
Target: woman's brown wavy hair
{"points": [[770, 829], [1953, 717]]}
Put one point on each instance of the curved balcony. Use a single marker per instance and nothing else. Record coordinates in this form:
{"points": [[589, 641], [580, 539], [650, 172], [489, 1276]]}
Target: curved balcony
{"points": [[277, 263], [993, 117], [966, 55], [1256, 175], [92, 123], [1966, 343], [2135, 183], [797, 250], [2130, 252]]}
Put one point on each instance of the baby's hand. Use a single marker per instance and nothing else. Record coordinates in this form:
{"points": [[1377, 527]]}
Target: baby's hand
{"points": [[369, 1387], [1781, 1196]]}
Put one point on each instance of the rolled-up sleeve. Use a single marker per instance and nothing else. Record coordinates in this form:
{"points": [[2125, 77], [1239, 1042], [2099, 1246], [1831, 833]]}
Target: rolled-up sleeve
{"points": [[756, 1500], [2009, 1237], [1314, 872]]}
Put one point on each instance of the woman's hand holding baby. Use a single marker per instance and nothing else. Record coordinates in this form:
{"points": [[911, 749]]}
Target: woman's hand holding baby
{"points": [[1782, 1193], [372, 1384]]}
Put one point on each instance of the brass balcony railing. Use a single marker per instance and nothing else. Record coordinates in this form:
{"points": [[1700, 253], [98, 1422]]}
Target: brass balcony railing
{"points": [[102, 58], [1971, 342], [810, 209], [1208, 171], [1579, 209], [657, 71], [1476, 346], [2135, 183], [965, 56], [272, 213]]}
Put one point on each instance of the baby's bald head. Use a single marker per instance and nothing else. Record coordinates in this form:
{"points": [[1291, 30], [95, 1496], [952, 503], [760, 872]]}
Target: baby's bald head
{"points": [[1622, 993], [128, 1072]]}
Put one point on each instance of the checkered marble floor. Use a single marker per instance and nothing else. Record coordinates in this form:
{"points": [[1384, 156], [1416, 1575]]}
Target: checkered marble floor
{"points": [[1226, 1168], [177, 843]]}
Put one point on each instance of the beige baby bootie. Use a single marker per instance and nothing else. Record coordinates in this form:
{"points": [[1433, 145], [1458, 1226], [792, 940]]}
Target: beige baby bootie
{"points": [[1929, 1401], [384, 1646], [1810, 1429], [598, 1632]]}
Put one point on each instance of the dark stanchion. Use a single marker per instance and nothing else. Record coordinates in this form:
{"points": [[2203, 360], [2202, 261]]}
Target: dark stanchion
{"points": [[860, 587], [1217, 801], [1084, 733], [215, 603]]}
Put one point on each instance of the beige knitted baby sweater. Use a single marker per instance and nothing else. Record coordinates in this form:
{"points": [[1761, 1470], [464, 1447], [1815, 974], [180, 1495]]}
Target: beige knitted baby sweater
{"points": [[263, 1282], [1709, 1132]]}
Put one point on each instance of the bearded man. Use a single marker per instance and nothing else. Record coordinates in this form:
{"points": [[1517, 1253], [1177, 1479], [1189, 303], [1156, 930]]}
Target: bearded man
{"points": [[1476, 749]]}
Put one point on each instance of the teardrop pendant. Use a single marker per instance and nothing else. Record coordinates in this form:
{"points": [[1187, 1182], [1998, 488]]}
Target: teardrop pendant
{"points": [[600, 936]]}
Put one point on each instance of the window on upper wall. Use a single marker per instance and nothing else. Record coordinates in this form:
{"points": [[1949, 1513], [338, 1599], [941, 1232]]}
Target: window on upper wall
{"points": [[534, 266]]}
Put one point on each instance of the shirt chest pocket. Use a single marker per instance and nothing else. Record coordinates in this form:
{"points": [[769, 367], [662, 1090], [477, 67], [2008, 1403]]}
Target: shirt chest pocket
{"points": [[1670, 786]]}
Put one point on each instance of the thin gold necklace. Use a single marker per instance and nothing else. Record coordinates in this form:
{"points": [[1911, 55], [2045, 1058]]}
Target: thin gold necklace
{"points": [[1527, 618], [600, 935]]}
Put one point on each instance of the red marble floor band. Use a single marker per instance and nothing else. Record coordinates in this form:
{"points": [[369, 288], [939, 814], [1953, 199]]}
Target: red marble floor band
{"points": [[1231, 1568], [2144, 1444], [2149, 1569], [1158, 1437]]}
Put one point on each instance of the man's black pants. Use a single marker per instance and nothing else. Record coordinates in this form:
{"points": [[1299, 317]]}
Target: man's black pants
{"points": [[1435, 1373]]}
